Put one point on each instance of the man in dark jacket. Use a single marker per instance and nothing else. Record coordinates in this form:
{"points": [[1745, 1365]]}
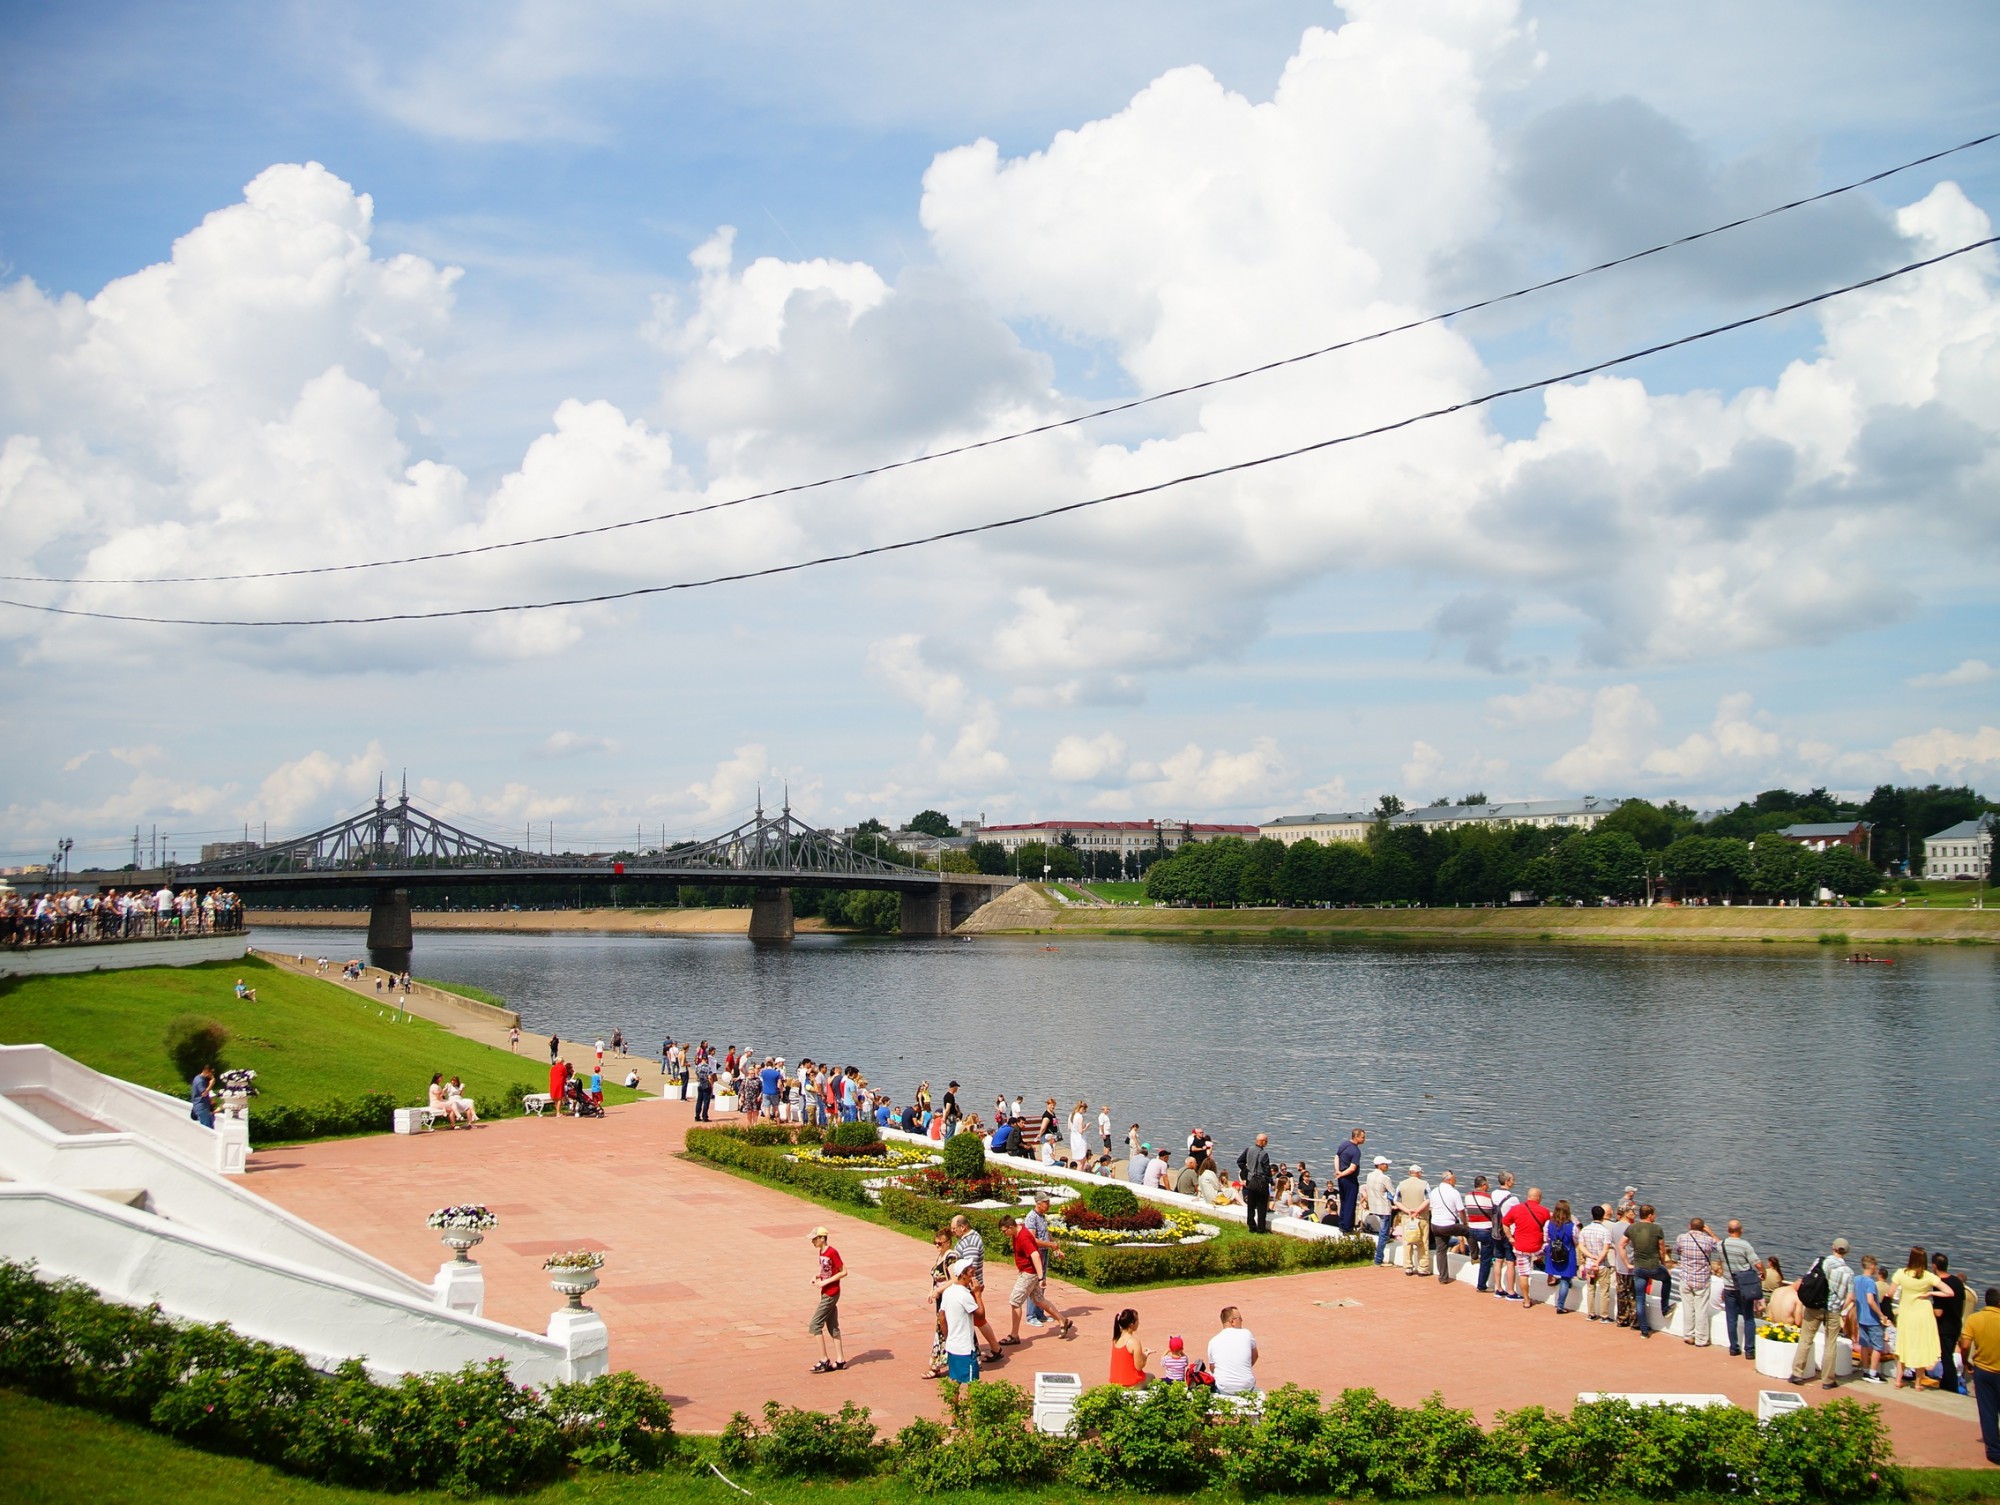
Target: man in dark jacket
{"points": [[1255, 1164]]}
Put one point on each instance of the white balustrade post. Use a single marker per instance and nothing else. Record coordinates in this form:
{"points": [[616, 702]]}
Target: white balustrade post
{"points": [[461, 1287], [586, 1342]]}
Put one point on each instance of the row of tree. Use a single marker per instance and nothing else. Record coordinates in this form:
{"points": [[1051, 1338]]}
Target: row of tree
{"points": [[1493, 865]]}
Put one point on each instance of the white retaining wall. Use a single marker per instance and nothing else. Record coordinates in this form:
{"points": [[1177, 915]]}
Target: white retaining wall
{"points": [[115, 956]]}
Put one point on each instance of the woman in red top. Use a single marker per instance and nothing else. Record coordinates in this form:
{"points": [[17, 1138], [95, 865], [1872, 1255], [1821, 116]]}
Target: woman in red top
{"points": [[1128, 1354]]}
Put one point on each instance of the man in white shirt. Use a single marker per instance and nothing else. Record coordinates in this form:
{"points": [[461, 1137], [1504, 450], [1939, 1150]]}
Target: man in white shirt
{"points": [[1232, 1356], [1447, 1223], [958, 1318], [1156, 1170], [1378, 1198]]}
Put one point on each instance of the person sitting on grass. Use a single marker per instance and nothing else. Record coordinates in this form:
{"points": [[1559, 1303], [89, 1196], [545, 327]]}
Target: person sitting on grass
{"points": [[245, 994]]}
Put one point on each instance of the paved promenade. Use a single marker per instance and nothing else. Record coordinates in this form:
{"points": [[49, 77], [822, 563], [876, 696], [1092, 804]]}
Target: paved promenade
{"points": [[707, 1288]]}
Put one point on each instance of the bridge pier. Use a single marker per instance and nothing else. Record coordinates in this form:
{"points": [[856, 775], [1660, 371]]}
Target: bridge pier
{"points": [[926, 912], [389, 938], [771, 915]]}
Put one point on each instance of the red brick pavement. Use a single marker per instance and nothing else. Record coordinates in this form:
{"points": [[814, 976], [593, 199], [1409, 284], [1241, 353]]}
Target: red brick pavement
{"points": [[707, 1286]]}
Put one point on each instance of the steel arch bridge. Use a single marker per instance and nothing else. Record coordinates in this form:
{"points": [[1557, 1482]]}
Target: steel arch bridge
{"points": [[395, 847]]}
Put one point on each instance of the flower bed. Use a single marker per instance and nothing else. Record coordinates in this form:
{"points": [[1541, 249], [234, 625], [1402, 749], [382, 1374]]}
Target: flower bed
{"points": [[877, 1157], [940, 1184], [1149, 1225]]}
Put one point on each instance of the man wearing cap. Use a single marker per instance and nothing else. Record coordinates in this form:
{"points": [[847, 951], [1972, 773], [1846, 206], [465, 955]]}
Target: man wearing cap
{"points": [[825, 1322], [959, 1319], [1413, 1205], [1378, 1205], [1255, 1164], [1347, 1177], [1828, 1319]]}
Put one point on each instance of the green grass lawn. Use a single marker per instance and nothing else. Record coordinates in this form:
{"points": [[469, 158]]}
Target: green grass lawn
{"points": [[1119, 893], [306, 1039], [464, 990], [1940, 893], [57, 1455]]}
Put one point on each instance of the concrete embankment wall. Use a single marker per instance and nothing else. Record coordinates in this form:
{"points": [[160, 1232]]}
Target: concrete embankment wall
{"points": [[111, 956]]}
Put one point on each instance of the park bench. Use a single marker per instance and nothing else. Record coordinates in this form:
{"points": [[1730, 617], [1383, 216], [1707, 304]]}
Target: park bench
{"points": [[537, 1103]]}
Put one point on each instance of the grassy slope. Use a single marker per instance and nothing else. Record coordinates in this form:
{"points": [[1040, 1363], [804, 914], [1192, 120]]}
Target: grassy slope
{"points": [[464, 990], [56, 1455], [306, 1039]]}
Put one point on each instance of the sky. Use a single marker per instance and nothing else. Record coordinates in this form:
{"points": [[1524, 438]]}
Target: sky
{"points": [[286, 287]]}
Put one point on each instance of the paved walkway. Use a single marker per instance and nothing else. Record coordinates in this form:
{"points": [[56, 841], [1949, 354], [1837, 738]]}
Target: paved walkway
{"points": [[708, 1284]]}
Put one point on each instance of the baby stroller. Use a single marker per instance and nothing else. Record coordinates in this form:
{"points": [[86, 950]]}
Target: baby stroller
{"points": [[582, 1104]]}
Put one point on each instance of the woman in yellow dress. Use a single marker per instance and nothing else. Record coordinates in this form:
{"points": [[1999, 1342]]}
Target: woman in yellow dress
{"points": [[1916, 1321]]}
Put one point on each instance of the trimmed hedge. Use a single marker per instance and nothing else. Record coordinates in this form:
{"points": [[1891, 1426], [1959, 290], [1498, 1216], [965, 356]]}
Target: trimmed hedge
{"points": [[1162, 1440], [368, 1113], [735, 1149], [472, 1432], [964, 1157]]}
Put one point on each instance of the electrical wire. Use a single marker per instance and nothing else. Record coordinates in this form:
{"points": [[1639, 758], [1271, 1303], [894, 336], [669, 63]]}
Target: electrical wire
{"points": [[1028, 433], [1019, 519]]}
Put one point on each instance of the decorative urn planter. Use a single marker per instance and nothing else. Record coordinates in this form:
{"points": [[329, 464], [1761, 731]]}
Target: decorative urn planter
{"points": [[461, 1241], [575, 1284]]}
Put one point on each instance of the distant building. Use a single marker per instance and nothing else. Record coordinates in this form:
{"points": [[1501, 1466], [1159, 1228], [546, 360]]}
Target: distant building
{"points": [[1351, 826], [1122, 837], [1817, 836], [212, 850], [1574, 815], [1961, 851]]}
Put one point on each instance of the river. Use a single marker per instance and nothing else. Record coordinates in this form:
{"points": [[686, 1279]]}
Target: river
{"points": [[1779, 1084]]}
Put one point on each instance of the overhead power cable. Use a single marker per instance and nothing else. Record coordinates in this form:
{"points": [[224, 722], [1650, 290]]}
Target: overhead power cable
{"points": [[1025, 517], [1042, 428]]}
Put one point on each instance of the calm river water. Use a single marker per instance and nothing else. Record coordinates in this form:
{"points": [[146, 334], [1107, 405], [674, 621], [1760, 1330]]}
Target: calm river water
{"points": [[1778, 1084]]}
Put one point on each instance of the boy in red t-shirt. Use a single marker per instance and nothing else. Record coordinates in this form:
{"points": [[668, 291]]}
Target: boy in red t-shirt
{"points": [[826, 1316], [1526, 1224]]}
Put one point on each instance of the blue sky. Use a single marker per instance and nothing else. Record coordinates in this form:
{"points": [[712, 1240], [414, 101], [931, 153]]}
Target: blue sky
{"points": [[295, 285]]}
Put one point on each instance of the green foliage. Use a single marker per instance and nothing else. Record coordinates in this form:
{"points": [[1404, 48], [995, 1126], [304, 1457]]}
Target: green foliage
{"points": [[470, 1432], [799, 1444], [730, 1147], [964, 1157], [1839, 1451], [1847, 872], [193, 1042], [1111, 1201], [989, 1443], [856, 1135], [1032, 856], [365, 1113], [1156, 1439], [932, 823]]}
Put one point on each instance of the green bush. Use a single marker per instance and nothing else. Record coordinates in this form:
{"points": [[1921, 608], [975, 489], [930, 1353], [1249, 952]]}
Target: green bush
{"points": [[729, 1147], [990, 1442], [964, 1157], [368, 1113], [1839, 1451], [193, 1042], [859, 1132], [799, 1444], [1157, 1439], [471, 1432], [1111, 1201]]}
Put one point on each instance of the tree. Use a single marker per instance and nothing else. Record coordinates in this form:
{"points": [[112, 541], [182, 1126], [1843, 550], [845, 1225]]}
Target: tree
{"points": [[932, 823], [1782, 869], [1847, 872], [1032, 856], [1709, 865], [989, 857], [1387, 806], [1473, 799], [1346, 872], [1618, 864], [1644, 822]]}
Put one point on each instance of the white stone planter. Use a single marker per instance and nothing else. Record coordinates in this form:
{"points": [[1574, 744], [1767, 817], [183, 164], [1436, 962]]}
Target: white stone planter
{"points": [[1776, 1359], [725, 1102], [461, 1241], [575, 1284]]}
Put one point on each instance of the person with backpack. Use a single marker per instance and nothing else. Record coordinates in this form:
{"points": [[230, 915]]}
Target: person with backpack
{"points": [[1559, 1261], [1826, 1291], [1743, 1273]]}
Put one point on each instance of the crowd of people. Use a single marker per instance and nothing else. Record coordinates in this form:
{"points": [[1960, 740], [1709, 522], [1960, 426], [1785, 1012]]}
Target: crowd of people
{"points": [[1613, 1259], [54, 919]]}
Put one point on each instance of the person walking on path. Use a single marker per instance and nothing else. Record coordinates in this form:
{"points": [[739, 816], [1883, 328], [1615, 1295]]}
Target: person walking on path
{"points": [[1697, 1257], [1647, 1242], [1255, 1164], [1916, 1321], [1447, 1224], [825, 1324], [1347, 1178], [1979, 1342], [1030, 1273], [1593, 1244], [1742, 1290], [514, 1038], [968, 1244], [1378, 1197], [1413, 1206], [959, 1319], [1826, 1301], [1950, 1320], [555, 1048]]}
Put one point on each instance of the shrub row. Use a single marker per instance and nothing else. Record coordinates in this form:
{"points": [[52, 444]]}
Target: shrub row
{"points": [[471, 1432], [366, 1113], [1161, 1440], [736, 1149]]}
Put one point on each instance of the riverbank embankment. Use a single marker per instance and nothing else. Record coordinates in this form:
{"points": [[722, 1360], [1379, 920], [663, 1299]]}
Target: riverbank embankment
{"points": [[537, 921]]}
